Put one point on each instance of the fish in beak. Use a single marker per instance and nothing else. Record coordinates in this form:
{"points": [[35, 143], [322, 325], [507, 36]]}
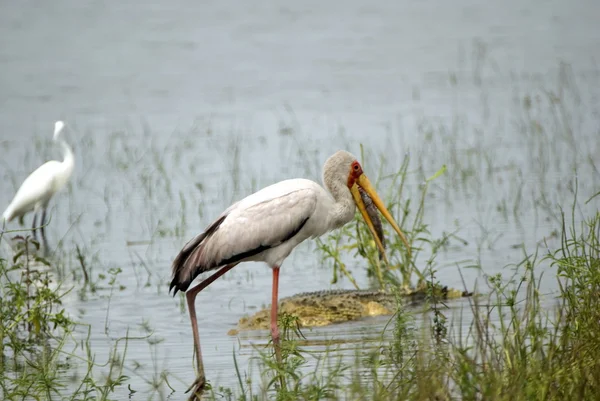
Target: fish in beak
{"points": [[375, 219], [357, 181]]}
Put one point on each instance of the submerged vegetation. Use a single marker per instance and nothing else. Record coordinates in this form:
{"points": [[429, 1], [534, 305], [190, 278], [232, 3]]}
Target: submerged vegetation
{"points": [[41, 343]]}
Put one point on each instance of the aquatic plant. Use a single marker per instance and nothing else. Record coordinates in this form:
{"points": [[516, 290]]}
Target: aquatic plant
{"points": [[356, 239], [40, 343]]}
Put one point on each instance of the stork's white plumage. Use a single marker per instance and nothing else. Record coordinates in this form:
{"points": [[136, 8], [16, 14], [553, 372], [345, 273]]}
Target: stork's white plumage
{"points": [[267, 226]]}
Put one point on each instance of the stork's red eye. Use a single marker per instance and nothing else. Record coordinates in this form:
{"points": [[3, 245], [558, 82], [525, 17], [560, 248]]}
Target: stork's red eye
{"points": [[355, 173]]}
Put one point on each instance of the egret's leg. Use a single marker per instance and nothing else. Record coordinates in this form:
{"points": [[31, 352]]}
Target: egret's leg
{"points": [[191, 298], [274, 328], [42, 224], [33, 225]]}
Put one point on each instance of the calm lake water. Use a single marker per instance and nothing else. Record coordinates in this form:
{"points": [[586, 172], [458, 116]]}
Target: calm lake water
{"points": [[175, 109]]}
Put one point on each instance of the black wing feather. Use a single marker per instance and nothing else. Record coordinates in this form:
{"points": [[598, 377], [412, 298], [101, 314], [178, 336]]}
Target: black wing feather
{"points": [[186, 269]]}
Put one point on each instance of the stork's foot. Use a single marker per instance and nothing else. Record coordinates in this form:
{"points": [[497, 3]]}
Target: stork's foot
{"points": [[198, 388]]}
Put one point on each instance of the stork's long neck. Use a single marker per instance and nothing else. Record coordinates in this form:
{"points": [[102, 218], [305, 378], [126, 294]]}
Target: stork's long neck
{"points": [[344, 207]]}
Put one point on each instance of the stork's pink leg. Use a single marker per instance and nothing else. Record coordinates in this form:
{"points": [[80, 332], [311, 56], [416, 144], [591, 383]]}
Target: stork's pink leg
{"points": [[191, 298], [274, 328]]}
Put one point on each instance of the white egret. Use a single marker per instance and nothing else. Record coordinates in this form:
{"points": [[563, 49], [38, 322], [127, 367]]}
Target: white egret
{"points": [[267, 225], [39, 187]]}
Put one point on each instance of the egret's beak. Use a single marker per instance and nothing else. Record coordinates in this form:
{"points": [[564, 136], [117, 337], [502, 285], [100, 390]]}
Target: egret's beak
{"points": [[365, 184], [58, 127]]}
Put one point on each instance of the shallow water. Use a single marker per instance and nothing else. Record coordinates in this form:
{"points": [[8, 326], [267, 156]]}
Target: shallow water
{"points": [[177, 109]]}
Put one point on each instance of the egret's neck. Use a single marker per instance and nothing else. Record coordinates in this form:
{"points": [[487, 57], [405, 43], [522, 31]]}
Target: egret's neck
{"points": [[68, 159], [344, 207]]}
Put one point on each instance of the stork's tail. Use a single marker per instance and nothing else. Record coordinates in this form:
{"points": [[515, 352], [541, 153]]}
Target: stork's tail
{"points": [[183, 269], [186, 266]]}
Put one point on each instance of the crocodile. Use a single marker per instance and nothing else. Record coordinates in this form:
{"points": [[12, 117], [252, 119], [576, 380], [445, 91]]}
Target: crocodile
{"points": [[322, 308]]}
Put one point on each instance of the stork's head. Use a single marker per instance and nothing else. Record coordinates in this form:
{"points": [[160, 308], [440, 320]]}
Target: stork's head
{"points": [[58, 127], [344, 164]]}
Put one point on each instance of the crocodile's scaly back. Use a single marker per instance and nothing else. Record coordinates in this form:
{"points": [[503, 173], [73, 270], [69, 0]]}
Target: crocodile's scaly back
{"points": [[321, 308]]}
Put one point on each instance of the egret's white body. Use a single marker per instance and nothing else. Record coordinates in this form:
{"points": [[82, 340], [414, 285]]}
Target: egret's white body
{"points": [[41, 185], [268, 225]]}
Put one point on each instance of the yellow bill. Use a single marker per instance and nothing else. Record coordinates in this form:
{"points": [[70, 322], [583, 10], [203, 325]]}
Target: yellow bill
{"points": [[365, 184]]}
